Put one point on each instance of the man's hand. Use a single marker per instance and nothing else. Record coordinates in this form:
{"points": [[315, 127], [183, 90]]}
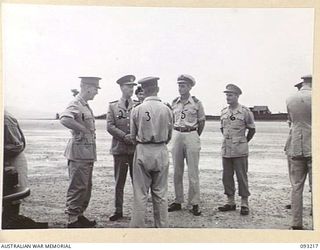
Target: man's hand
{"points": [[127, 139]]}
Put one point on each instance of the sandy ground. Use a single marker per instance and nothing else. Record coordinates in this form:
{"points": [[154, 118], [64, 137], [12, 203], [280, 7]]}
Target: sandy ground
{"points": [[268, 181]]}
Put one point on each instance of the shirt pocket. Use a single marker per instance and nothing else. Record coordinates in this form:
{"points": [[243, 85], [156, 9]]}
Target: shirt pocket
{"points": [[239, 146], [83, 150], [238, 121], [192, 115], [88, 119]]}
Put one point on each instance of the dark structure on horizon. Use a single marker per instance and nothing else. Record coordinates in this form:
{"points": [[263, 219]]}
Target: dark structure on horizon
{"points": [[260, 113]]}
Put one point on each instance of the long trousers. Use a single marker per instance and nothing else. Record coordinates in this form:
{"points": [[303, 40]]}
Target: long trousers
{"points": [[150, 171], [121, 164]]}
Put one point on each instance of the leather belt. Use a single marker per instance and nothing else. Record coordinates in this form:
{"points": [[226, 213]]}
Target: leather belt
{"points": [[183, 130], [151, 142]]}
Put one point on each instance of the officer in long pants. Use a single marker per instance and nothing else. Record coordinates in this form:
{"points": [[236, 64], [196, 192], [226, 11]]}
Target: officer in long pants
{"points": [[236, 119], [189, 121], [299, 148], [151, 128], [122, 147], [80, 152]]}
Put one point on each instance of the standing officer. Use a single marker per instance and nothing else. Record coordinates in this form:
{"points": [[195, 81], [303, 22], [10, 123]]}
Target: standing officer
{"points": [[298, 86], [151, 128], [189, 120], [80, 152], [235, 120], [299, 147], [122, 147]]}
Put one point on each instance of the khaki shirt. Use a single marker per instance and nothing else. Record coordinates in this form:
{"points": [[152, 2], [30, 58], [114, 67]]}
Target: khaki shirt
{"points": [[299, 112], [81, 147], [118, 125], [187, 115], [151, 121], [234, 124], [13, 139]]}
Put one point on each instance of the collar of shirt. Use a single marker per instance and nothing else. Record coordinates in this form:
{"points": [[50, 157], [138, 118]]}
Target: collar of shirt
{"points": [[190, 99], [122, 103], [83, 102], [152, 98], [237, 110]]}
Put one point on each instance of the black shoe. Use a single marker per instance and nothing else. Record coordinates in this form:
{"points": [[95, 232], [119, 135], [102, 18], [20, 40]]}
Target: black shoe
{"points": [[195, 210], [116, 216], [86, 222], [22, 222], [296, 228], [174, 207], [288, 206], [227, 207], [76, 224], [244, 211]]}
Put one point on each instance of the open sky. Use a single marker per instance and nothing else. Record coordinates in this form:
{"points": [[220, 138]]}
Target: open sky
{"points": [[47, 47]]}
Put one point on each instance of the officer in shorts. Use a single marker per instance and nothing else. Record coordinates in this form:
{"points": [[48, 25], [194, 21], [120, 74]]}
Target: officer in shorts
{"points": [[151, 128], [189, 121], [122, 147], [236, 119], [80, 152]]}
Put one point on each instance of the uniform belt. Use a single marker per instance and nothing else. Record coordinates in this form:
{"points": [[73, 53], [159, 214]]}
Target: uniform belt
{"points": [[150, 142], [184, 129]]}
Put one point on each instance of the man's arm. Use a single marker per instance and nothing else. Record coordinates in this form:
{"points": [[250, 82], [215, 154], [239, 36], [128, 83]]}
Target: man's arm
{"points": [[111, 126], [251, 133], [133, 127], [201, 126], [74, 125], [170, 126], [201, 118]]}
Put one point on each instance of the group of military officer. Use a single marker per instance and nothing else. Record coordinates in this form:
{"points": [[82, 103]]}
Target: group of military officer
{"points": [[140, 133]]}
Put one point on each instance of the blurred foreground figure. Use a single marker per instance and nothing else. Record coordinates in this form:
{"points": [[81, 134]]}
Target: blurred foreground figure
{"points": [[236, 119], [15, 170], [151, 128], [299, 147], [80, 152]]}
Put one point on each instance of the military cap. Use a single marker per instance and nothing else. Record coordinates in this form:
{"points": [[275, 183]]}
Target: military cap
{"points": [[138, 90], [90, 80], [150, 80], [186, 79], [307, 78], [231, 88], [298, 85], [127, 80]]}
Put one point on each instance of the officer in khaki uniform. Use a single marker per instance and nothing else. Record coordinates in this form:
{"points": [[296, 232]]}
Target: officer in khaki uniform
{"points": [[122, 147], [80, 152], [236, 119], [299, 148], [151, 128], [189, 121]]}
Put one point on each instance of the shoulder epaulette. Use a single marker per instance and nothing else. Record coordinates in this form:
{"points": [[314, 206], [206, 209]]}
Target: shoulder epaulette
{"points": [[245, 108], [137, 104], [175, 99], [195, 99], [167, 104], [225, 108]]}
